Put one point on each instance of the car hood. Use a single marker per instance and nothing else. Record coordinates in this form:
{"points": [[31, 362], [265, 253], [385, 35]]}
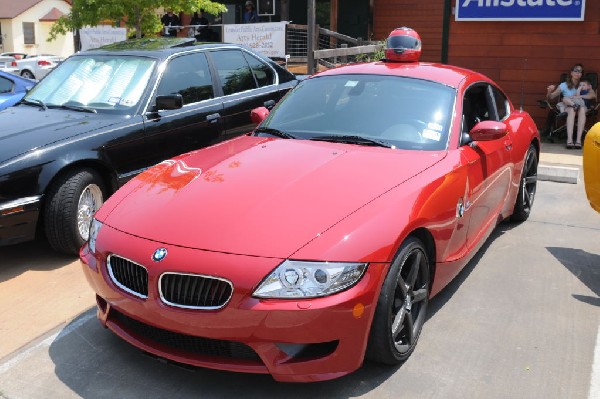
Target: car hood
{"points": [[256, 196], [25, 128]]}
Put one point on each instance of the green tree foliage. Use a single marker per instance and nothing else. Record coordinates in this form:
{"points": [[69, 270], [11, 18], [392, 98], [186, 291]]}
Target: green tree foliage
{"points": [[137, 15]]}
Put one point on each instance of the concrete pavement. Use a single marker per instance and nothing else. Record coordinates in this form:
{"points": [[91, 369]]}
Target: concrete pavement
{"points": [[559, 164]]}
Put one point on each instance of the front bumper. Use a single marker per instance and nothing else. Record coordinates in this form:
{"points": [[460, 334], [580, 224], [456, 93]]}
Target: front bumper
{"points": [[293, 340], [18, 220]]}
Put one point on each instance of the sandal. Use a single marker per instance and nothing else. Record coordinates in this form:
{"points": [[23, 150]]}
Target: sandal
{"points": [[569, 146], [577, 146]]}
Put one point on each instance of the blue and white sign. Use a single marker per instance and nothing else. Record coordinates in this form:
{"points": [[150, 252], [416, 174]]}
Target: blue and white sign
{"points": [[520, 10]]}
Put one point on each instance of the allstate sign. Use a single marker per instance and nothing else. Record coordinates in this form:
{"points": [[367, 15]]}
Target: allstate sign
{"points": [[520, 10]]}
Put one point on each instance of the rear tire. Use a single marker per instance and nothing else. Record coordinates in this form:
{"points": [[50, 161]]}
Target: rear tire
{"points": [[402, 305], [27, 74], [70, 205], [527, 187]]}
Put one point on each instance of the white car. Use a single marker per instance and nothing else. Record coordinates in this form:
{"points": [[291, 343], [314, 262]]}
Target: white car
{"points": [[34, 66], [8, 64]]}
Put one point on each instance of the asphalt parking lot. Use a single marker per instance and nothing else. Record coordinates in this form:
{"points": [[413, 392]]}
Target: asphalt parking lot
{"points": [[520, 321]]}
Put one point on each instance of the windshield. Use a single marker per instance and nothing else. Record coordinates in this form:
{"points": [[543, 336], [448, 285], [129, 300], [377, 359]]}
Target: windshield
{"points": [[103, 83], [403, 112]]}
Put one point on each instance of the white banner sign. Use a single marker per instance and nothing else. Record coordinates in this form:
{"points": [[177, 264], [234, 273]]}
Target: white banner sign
{"points": [[268, 38], [100, 36]]}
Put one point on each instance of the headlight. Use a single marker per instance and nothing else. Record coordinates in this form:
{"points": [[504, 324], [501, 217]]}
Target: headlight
{"points": [[94, 229], [299, 279]]}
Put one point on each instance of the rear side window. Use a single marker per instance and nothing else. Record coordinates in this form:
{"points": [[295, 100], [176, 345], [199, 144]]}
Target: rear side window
{"points": [[262, 72], [6, 86], [234, 72], [189, 76]]}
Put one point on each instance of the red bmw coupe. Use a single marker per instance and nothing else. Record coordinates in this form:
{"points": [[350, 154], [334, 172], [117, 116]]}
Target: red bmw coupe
{"points": [[318, 239]]}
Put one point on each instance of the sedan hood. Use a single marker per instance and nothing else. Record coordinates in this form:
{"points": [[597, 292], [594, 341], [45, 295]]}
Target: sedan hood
{"points": [[25, 128], [256, 196]]}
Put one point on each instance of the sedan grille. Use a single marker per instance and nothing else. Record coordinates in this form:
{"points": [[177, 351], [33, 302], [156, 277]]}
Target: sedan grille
{"points": [[194, 291], [129, 276]]}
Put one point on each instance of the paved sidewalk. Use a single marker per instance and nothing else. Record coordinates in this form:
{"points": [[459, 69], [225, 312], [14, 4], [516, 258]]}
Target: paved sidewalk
{"points": [[559, 164]]}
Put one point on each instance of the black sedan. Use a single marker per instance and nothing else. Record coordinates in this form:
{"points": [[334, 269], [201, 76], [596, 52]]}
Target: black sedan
{"points": [[105, 115]]}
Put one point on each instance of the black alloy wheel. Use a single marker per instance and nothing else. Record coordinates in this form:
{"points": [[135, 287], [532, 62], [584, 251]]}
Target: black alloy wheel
{"points": [[527, 187], [402, 305]]}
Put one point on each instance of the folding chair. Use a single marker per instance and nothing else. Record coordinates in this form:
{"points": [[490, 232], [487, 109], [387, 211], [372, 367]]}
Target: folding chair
{"points": [[555, 122]]}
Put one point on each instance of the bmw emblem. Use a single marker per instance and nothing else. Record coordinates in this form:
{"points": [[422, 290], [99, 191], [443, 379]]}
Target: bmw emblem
{"points": [[159, 254]]}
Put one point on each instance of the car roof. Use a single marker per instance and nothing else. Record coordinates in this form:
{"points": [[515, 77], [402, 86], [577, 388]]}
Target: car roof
{"points": [[157, 47], [446, 74]]}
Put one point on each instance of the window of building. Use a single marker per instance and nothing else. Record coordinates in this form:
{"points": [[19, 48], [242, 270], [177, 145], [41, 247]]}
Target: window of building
{"points": [[29, 33]]}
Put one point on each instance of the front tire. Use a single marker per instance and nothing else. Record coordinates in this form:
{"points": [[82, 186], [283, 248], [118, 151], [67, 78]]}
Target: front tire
{"points": [[70, 206], [402, 305], [527, 187]]}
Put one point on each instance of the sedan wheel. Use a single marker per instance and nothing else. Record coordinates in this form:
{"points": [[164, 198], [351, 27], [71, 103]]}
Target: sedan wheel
{"points": [[27, 74], [402, 305], [527, 187], [71, 204]]}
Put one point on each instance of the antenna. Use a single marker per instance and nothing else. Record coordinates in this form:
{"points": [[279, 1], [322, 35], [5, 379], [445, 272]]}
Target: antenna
{"points": [[523, 84]]}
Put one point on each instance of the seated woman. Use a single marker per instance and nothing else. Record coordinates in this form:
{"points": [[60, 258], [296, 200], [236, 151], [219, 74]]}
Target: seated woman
{"points": [[572, 103]]}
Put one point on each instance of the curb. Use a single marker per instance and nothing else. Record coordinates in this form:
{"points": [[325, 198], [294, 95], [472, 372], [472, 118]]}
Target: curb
{"points": [[560, 174]]}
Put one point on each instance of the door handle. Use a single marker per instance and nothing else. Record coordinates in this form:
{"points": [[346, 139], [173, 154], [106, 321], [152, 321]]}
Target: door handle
{"points": [[212, 118], [508, 144], [269, 104]]}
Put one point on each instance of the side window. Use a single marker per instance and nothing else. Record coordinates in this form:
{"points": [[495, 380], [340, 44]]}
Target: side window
{"points": [[476, 106], [501, 103], [262, 72], [233, 70], [6, 86], [189, 76]]}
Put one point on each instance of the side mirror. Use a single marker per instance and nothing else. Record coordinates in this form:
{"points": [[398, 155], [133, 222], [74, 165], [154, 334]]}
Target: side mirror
{"points": [[257, 115], [488, 130], [172, 101]]}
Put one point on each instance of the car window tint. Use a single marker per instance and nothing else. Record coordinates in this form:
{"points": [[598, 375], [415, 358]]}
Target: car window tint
{"points": [[262, 72], [233, 70], [6, 86], [501, 103], [189, 76]]}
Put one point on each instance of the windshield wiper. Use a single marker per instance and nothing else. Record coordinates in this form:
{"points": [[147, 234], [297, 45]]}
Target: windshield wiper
{"points": [[275, 132], [81, 108], [36, 102], [352, 140]]}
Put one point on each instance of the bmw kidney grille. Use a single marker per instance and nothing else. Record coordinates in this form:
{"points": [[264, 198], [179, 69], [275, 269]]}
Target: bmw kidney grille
{"points": [[193, 291], [190, 291]]}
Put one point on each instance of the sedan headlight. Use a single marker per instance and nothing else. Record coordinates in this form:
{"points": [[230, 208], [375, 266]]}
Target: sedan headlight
{"points": [[300, 279], [95, 226]]}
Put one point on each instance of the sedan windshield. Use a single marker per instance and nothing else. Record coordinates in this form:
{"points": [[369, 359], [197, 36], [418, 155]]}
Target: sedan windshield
{"points": [[365, 109], [98, 83]]}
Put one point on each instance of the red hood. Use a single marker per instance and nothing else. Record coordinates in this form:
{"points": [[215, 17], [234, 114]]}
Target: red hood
{"points": [[256, 196]]}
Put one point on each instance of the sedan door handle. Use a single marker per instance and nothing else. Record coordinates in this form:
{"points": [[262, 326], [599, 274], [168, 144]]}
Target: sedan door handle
{"points": [[212, 118], [269, 104]]}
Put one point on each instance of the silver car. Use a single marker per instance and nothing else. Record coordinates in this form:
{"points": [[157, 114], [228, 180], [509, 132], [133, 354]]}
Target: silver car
{"points": [[8, 64]]}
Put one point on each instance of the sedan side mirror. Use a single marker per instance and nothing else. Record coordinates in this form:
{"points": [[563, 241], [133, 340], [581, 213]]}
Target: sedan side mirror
{"points": [[488, 130], [172, 101], [257, 115]]}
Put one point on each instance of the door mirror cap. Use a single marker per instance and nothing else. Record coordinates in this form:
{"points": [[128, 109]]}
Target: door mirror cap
{"points": [[172, 101], [257, 115], [488, 130]]}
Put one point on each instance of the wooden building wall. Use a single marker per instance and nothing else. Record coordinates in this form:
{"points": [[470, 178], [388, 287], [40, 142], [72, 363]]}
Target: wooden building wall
{"points": [[521, 56]]}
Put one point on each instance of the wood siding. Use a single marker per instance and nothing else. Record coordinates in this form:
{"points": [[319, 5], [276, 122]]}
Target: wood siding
{"points": [[522, 57]]}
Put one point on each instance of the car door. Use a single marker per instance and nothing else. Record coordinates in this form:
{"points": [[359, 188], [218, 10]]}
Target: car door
{"points": [[246, 83], [490, 163], [199, 122]]}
